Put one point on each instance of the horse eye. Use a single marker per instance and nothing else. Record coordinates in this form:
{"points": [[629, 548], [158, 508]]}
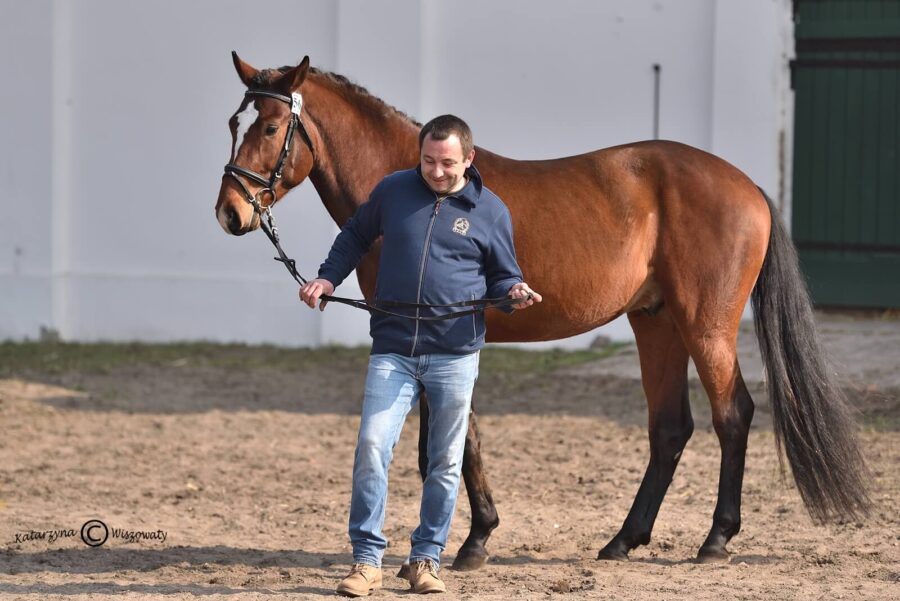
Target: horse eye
{"points": [[271, 129]]}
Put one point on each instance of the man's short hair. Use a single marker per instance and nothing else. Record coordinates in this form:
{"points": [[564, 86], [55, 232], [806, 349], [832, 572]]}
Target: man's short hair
{"points": [[441, 128]]}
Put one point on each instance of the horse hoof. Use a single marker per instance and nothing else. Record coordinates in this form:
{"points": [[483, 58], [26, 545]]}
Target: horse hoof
{"points": [[467, 561], [613, 552], [713, 556], [403, 572]]}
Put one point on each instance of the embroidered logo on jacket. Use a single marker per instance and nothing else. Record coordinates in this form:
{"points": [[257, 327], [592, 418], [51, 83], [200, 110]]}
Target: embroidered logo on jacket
{"points": [[461, 226]]}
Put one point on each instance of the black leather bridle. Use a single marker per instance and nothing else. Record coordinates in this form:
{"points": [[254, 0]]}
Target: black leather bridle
{"points": [[295, 100], [268, 184]]}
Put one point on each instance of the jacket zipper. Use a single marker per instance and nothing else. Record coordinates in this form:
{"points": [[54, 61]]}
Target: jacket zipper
{"points": [[437, 207]]}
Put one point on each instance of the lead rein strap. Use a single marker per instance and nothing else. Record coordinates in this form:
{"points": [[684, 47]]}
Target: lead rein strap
{"points": [[479, 304]]}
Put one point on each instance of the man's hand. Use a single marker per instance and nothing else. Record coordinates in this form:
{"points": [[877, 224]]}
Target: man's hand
{"points": [[313, 289], [521, 290]]}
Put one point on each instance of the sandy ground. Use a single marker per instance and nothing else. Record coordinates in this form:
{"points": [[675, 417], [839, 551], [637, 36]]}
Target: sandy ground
{"points": [[247, 472]]}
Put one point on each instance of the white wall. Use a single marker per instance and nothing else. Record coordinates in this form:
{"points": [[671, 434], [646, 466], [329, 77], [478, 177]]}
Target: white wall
{"points": [[752, 118], [26, 132], [115, 132]]}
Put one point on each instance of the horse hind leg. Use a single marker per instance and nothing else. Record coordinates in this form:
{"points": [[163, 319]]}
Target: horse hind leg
{"points": [[664, 360], [732, 412]]}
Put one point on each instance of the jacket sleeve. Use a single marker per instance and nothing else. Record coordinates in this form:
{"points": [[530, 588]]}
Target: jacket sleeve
{"points": [[502, 271], [354, 240]]}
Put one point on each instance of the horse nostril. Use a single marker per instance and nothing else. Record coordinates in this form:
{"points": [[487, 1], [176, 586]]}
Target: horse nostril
{"points": [[233, 219]]}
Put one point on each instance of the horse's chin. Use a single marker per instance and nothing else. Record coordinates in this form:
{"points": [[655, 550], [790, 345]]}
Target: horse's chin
{"points": [[252, 227]]}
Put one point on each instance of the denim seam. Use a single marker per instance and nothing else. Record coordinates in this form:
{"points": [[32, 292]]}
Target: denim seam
{"points": [[395, 438], [371, 549]]}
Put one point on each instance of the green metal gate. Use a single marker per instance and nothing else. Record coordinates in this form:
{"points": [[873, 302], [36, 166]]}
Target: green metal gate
{"points": [[846, 177]]}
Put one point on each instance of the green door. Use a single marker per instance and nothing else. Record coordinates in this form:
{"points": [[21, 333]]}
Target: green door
{"points": [[846, 178]]}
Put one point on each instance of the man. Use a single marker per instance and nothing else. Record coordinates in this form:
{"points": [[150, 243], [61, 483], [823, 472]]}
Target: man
{"points": [[446, 238]]}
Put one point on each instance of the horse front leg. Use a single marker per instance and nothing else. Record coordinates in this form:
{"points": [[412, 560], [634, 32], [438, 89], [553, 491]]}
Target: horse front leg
{"points": [[473, 555]]}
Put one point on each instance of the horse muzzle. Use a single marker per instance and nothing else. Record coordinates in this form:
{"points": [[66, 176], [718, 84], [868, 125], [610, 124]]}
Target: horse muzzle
{"points": [[233, 222]]}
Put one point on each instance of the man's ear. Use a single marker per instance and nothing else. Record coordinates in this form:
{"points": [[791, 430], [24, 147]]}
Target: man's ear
{"points": [[470, 158], [244, 71], [293, 79]]}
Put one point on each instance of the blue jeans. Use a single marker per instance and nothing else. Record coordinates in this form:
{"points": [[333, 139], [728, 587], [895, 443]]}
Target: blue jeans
{"points": [[393, 385]]}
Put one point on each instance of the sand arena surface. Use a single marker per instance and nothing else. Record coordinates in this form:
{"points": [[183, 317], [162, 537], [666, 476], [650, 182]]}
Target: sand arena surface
{"points": [[244, 463]]}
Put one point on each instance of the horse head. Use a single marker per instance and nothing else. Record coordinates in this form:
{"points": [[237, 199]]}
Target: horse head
{"points": [[271, 150]]}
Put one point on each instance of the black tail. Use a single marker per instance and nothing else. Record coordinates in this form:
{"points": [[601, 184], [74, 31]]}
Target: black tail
{"points": [[813, 424]]}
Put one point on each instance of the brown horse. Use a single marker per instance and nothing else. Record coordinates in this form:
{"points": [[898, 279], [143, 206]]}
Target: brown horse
{"points": [[674, 237]]}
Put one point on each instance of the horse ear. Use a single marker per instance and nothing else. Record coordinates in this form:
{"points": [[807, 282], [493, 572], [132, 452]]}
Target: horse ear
{"points": [[293, 79], [244, 71]]}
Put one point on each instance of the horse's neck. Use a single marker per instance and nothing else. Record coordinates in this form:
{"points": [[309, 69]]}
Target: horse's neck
{"points": [[357, 146]]}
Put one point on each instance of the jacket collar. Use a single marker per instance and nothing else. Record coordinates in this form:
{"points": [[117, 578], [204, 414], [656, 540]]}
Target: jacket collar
{"points": [[470, 193]]}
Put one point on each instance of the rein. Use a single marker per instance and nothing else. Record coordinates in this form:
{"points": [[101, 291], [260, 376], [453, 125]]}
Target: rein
{"points": [[271, 230]]}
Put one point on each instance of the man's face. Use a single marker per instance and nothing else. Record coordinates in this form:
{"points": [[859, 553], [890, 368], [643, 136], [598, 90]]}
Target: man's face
{"points": [[443, 164]]}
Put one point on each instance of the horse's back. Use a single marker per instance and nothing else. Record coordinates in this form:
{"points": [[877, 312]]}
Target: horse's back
{"points": [[618, 229]]}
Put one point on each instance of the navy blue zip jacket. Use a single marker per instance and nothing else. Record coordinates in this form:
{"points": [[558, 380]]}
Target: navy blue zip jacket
{"points": [[435, 250]]}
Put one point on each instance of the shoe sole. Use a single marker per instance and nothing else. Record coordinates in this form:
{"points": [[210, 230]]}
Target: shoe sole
{"points": [[357, 592], [426, 591], [430, 591]]}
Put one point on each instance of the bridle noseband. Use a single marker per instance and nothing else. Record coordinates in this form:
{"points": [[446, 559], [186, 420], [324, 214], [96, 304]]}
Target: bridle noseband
{"points": [[271, 231]]}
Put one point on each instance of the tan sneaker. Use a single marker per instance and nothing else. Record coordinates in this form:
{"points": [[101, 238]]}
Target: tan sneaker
{"points": [[423, 576], [362, 580]]}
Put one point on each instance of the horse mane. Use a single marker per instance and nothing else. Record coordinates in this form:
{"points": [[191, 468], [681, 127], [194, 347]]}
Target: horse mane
{"points": [[345, 87]]}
